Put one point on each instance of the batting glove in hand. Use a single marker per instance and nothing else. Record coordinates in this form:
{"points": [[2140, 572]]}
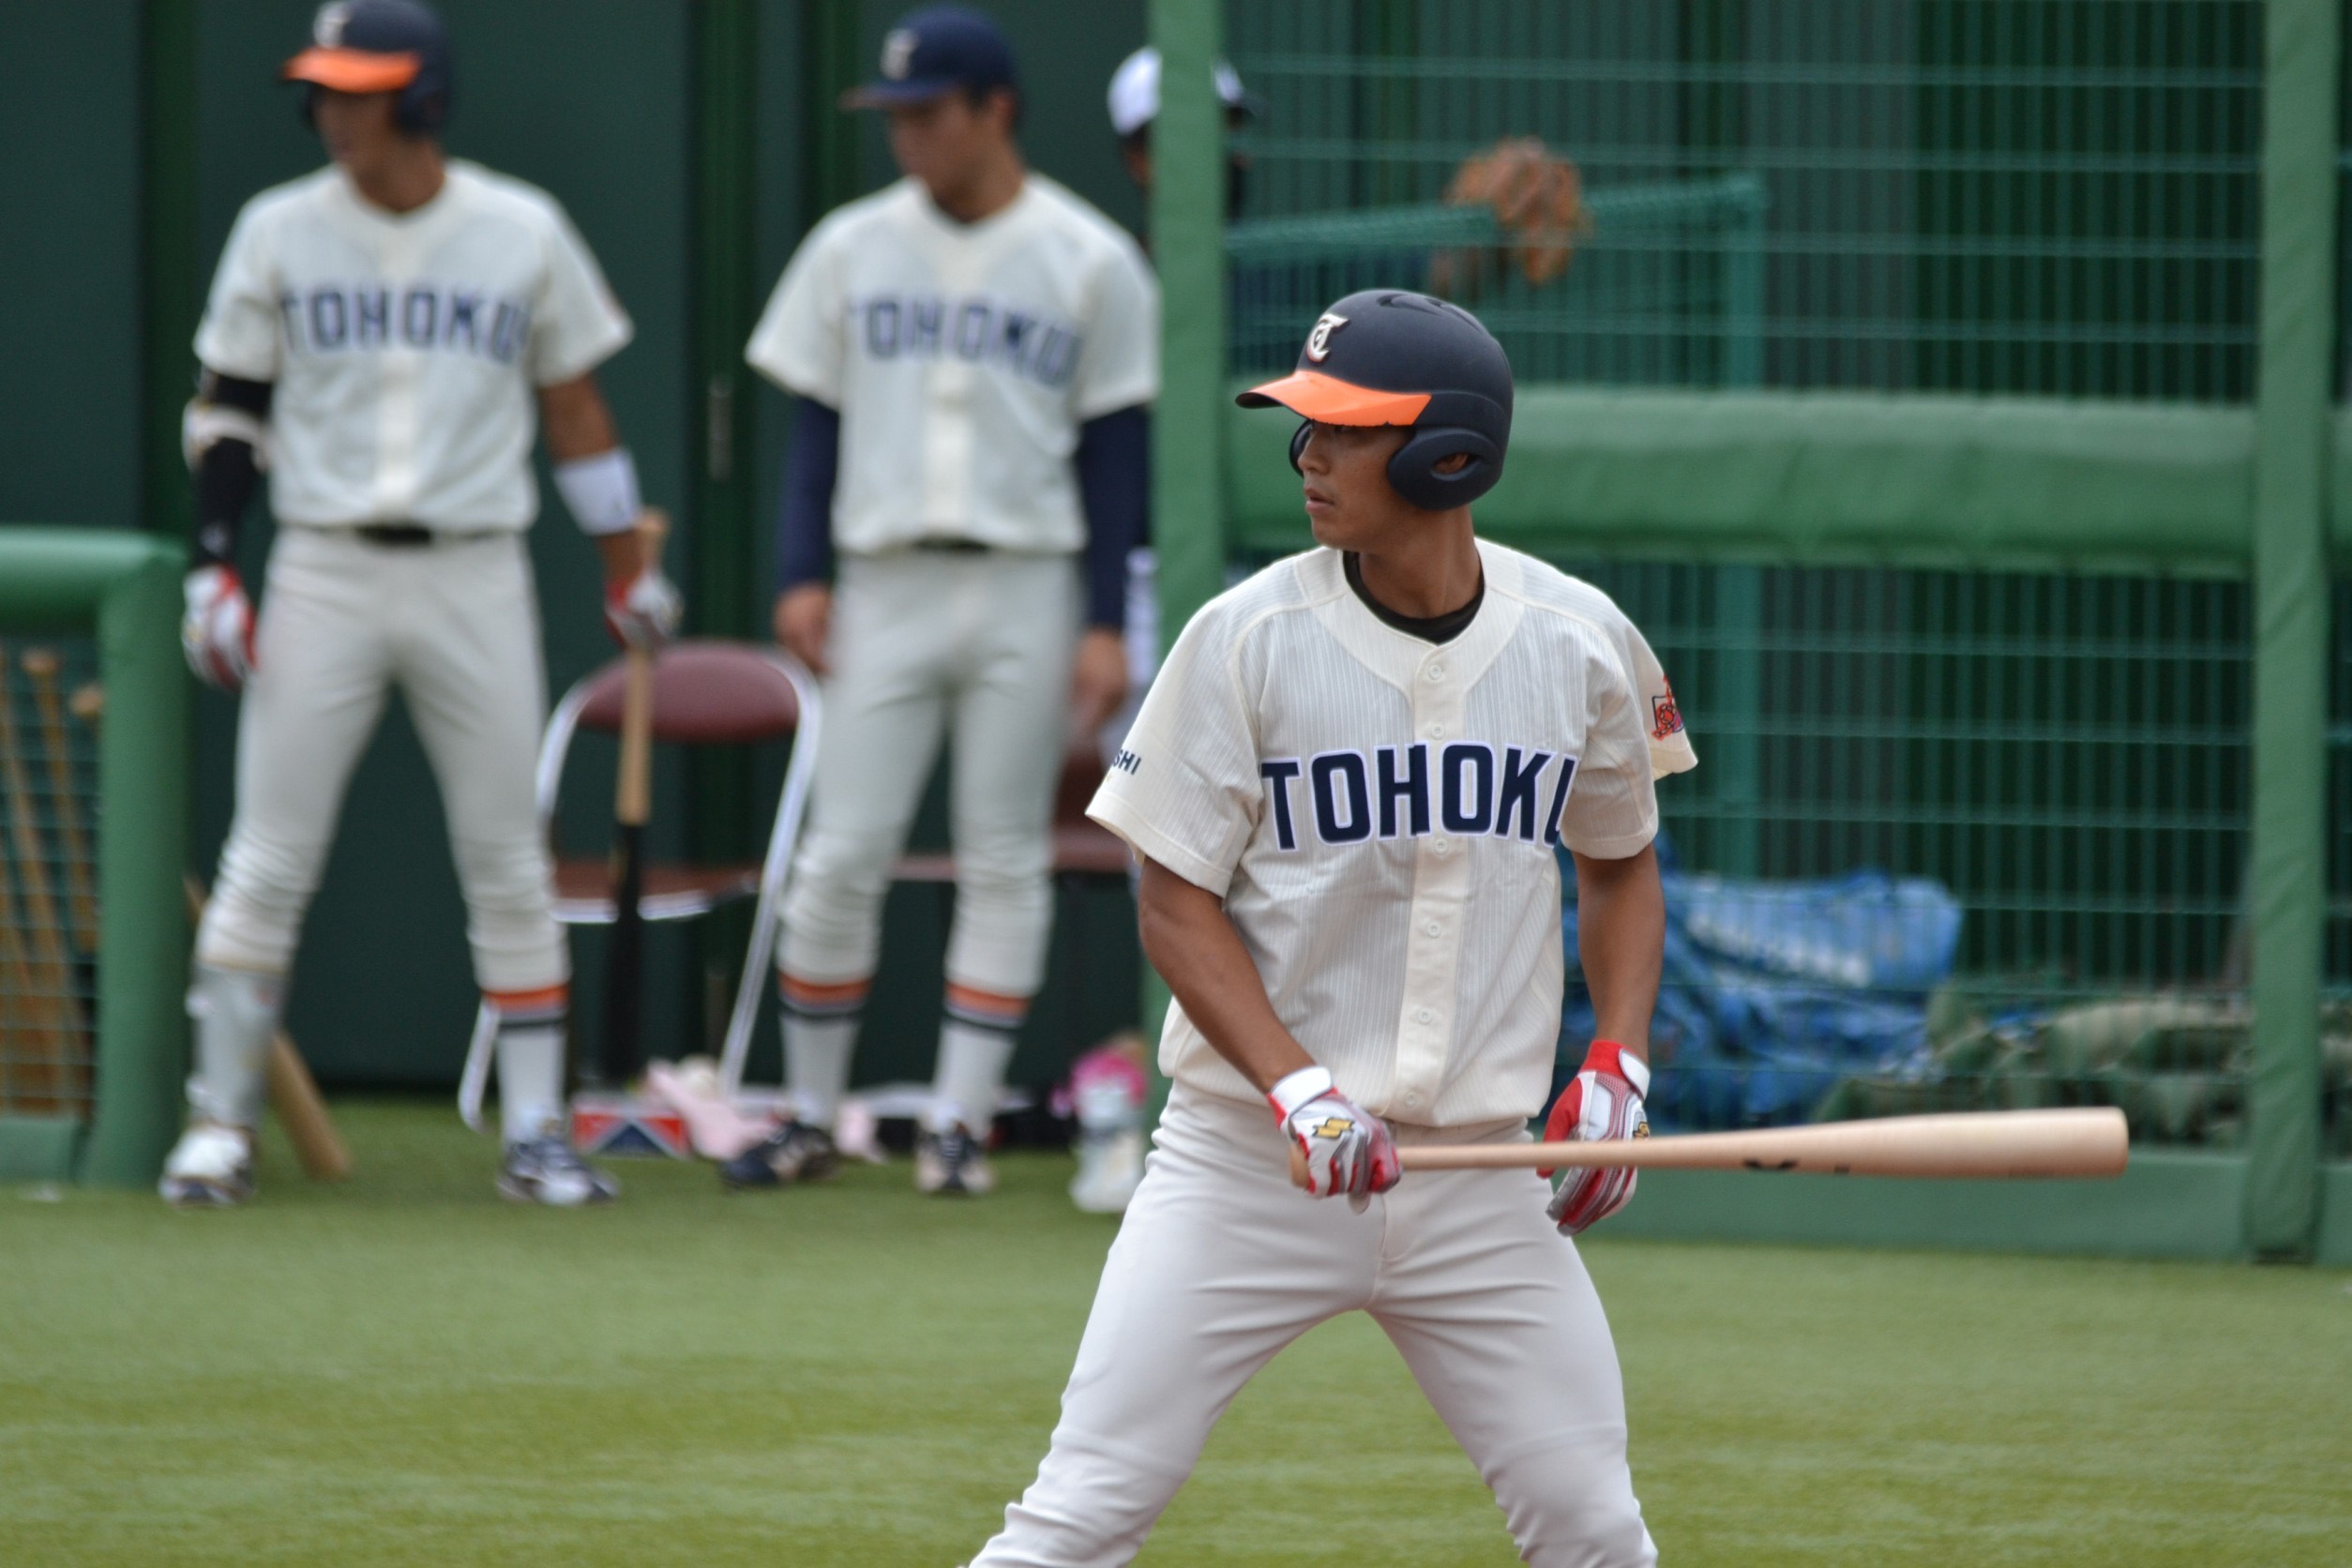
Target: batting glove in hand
{"points": [[1604, 1101], [217, 630], [642, 611], [1345, 1148]]}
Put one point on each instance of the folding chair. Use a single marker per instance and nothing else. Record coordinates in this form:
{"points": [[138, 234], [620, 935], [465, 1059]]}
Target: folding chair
{"points": [[706, 692]]}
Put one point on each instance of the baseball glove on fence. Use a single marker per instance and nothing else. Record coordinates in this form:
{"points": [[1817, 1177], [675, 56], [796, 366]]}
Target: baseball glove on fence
{"points": [[1538, 202]]}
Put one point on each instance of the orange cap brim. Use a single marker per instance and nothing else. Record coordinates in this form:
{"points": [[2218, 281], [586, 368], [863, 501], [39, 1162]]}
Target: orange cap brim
{"points": [[1313, 395], [354, 70]]}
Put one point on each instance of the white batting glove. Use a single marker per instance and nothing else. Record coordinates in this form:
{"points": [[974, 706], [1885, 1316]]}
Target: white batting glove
{"points": [[643, 611], [216, 632], [1602, 1100], [1345, 1148]]}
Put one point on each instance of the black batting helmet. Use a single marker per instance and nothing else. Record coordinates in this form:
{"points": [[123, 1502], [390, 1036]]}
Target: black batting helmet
{"points": [[381, 46], [1388, 356]]}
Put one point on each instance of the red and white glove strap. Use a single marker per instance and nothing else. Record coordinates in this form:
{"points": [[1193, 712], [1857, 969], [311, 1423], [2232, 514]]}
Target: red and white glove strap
{"points": [[217, 631], [1347, 1149], [1604, 1101], [643, 611]]}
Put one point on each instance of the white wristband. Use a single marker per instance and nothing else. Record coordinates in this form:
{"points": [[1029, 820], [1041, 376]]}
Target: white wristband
{"points": [[601, 491], [1298, 1088]]}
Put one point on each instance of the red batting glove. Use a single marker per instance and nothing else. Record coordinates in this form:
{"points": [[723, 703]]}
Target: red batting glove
{"points": [[1347, 1149], [642, 611], [217, 631], [1602, 1100]]}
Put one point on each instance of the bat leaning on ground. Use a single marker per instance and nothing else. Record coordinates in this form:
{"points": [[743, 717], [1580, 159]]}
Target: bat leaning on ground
{"points": [[632, 805], [294, 1094], [41, 668], [1992, 1144], [48, 968]]}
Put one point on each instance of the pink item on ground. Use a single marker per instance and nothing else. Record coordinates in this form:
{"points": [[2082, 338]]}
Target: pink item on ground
{"points": [[719, 1131]]}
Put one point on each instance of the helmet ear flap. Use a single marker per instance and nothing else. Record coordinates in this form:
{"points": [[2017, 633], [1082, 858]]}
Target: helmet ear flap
{"points": [[1413, 471], [1297, 441]]}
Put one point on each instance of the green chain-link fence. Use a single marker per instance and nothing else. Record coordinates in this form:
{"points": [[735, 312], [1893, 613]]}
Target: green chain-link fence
{"points": [[2049, 774]]}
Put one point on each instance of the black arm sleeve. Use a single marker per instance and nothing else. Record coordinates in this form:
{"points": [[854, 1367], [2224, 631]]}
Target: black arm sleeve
{"points": [[1114, 475], [804, 522], [227, 473]]}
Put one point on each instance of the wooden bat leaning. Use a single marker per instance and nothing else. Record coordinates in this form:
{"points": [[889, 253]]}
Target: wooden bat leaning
{"points": [[294, 1094], [41, 668], [632, 805], [49, 969], [1991, 1143]]}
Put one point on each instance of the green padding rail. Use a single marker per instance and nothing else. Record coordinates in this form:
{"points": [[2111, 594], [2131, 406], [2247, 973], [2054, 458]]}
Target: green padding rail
{"points": [[1842, 478], [126, 588], [2166, 1205]]}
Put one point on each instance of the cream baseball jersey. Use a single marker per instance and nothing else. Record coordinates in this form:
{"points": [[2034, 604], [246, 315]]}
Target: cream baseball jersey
{"points": [[406, 347], [1381, 813], [962, 358]]}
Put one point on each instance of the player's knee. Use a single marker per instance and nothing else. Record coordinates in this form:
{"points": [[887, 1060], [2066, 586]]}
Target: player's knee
{"points": [[1571, 1505], [267, 878], [501, 878]]}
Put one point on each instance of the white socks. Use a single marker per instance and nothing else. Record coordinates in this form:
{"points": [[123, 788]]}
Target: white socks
{"points": [[236, 1013], [817, 1064], [970, 1076], [531, 1077]]}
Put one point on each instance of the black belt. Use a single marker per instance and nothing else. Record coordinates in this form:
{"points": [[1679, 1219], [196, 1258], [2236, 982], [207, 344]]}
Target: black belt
{"points": [[944, 546], [395, 535]]}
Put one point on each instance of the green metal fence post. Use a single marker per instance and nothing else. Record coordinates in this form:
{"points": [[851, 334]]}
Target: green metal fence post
{"points": [[142, 846], [1187, 422], [2286, 885]]}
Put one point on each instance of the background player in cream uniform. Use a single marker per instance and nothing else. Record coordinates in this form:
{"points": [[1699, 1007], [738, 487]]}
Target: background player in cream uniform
{"points": [[377, 336], [1347, 785], [970, 352]]}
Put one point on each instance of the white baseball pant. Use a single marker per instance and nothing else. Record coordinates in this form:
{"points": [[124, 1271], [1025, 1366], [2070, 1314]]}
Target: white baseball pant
{"points": [[928, 643], [456, 625], [1220, 1262]]}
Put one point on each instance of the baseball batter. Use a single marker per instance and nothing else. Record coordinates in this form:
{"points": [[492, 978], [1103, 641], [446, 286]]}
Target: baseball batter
{"points": [[376, 338], [969, 351], [1346, 786]]}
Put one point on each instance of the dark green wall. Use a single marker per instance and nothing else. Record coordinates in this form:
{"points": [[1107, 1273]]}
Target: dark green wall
{"points": [[601, 111], [69, 263]]}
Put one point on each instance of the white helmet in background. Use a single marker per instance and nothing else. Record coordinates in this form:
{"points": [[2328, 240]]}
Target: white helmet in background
{"points": [[1135, 91]]}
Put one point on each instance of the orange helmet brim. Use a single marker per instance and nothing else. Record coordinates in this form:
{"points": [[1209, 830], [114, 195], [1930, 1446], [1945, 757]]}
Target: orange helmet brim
{"points": [[1327, 400], [354, 70]]}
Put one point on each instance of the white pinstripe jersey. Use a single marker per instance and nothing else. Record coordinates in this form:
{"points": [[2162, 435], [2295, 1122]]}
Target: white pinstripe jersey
{"points": [[1380, 814], [406, 346]]}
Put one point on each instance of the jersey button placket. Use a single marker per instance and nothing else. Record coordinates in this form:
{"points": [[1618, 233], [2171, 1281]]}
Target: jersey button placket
{"points": [[1433, 954]]}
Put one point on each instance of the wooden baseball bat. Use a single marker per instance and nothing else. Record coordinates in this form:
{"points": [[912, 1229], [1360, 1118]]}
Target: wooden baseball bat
{"points": [[1990, 1144], [25, 1037], [632, 805], [40, 667], [294, 1093], [50, 970]]}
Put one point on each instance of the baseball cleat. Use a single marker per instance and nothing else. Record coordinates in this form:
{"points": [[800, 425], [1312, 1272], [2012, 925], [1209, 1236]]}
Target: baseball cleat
{"points": [[210, 1168], [548, 1170], [951, 1163], [794, 1152]]}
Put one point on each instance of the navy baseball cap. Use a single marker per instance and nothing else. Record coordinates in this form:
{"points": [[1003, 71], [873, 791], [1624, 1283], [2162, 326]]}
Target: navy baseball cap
{"points": [[934, 51]]}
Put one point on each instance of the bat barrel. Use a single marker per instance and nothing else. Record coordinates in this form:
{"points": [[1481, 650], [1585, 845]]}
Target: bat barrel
{"points": [[2089, 1142]]}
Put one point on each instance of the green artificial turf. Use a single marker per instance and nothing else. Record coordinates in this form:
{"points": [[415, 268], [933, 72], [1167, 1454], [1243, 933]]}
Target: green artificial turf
{"points": [[405, 1370]]}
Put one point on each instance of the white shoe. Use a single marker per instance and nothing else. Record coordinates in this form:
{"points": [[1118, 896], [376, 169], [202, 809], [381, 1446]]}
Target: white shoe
{"points": [[1110, 1167], [550, 1170], [210, 1168]]}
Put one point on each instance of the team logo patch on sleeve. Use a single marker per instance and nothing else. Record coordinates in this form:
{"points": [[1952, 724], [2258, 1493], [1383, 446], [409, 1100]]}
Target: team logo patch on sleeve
{"points": [[1666, 717]]}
